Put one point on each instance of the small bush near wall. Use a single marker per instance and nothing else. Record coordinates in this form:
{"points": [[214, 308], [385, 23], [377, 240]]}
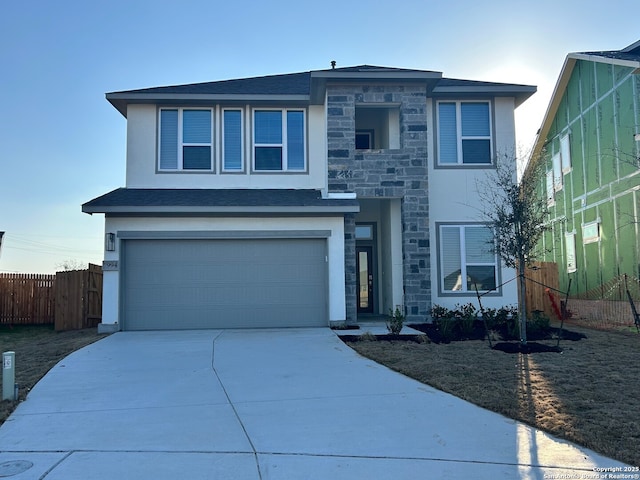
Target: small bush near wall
{"points": [[463, 322]]}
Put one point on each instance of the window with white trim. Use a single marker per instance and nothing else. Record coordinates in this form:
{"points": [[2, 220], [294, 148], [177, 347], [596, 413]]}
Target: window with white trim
{"points": [[185, 139], [464, 133], [467, 258], [550, 190], [279, 142], [591, 232], [556, 167], [565, 154], [232, 145], [570, 251]]}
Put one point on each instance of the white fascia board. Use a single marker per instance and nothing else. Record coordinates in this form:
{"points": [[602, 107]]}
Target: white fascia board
{"points": [[608, 60]]}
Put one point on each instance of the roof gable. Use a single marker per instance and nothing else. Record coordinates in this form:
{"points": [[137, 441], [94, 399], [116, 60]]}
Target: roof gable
{"points": [[629, 57]]}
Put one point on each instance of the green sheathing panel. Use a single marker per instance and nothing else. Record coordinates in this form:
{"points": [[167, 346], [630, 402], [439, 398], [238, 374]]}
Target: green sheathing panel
{"points": [[600, 111], [627, 125], [587, 83], [577, 160], [591, 254], [579, 278], [621, 72], [608, 245], [548, 246], [561, 116], [604, 78], [590, 148], [607, 136], [572, 96], [626, 233]]}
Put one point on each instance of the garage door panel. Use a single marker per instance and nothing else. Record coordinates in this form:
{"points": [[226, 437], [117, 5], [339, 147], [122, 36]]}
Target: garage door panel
{"points": [[176, 284]]}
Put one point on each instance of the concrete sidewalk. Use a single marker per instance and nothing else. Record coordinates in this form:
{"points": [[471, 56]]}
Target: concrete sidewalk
{"points": [[261, 404]]}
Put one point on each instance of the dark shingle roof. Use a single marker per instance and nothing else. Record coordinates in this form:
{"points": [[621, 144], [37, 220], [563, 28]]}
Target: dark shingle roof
{"points": [[303, 87], [454, 82], [630, 53], [291, 84], [123, 200]]}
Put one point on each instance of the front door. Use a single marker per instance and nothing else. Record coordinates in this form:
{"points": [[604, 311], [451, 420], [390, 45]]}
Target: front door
{"points": [[364, 267]]}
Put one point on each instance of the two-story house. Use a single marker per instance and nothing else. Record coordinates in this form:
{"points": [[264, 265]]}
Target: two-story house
{"points": [[590, 143], [304, 199]]}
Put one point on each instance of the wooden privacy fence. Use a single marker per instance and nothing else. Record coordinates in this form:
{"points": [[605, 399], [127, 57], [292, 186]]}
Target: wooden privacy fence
{"points": [[27, 299], [78, 298], [69, 300], [541, 276]]}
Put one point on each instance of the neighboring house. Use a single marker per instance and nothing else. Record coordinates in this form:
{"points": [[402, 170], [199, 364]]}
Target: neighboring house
{"points": [[303, 199], [590, 141]]}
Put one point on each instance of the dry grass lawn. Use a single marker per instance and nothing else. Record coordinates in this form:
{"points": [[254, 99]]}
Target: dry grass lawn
{"points": [[588, 394], [38, 349]]}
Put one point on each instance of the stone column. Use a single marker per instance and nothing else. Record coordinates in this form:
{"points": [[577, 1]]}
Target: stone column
{"points": [[351, 297]]}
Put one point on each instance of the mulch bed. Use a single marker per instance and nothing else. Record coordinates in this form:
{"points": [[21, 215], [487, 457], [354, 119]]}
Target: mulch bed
{"points": [[433, 335], [479, 333]]}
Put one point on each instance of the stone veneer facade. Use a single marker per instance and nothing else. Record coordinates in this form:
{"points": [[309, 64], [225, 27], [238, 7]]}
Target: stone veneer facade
{"points": [[385, 174]]}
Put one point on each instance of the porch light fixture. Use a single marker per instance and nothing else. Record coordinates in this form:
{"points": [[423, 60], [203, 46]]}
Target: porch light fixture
{"points": [[110, 242]]}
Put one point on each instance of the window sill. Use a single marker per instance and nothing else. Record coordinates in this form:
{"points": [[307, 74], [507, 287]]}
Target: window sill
{"points": [[465, 166]]}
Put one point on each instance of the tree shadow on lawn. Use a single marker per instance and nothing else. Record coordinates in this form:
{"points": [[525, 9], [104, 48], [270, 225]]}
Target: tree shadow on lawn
{"points": [[587, 394]]}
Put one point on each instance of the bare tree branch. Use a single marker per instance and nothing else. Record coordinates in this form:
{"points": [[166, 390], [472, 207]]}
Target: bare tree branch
{"points": [[517, 212]]}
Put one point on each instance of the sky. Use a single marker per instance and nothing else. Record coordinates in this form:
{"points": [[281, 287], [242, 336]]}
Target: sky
{"points": [[62, 144]]}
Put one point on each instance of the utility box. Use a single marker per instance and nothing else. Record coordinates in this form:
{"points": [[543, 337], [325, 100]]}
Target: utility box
{"points": [[8, 376]]}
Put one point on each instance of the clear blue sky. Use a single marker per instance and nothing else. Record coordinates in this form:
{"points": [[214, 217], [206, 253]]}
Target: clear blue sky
{"points": [[62, 143]]}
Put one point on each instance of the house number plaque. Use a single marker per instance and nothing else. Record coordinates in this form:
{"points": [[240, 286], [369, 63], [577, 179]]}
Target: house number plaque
{"points": [[109, 265]]}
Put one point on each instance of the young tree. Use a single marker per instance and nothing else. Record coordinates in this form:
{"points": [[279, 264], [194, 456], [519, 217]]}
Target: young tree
{"points": [[517, 212]]}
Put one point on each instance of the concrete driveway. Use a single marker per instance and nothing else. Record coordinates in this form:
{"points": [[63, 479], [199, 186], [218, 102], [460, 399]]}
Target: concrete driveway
{"points": [[261, 404]]}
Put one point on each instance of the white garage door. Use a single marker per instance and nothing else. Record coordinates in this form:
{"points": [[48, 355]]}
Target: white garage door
{"points": [[245, 283]]}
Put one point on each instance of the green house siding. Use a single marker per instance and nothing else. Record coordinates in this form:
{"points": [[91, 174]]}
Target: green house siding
{"points": [[600, 111]]}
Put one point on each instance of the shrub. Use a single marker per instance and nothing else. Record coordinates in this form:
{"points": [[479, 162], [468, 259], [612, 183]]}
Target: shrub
{"points": [[489, 317], [467, 317], [446, 327], [445, 320], [395, 322], [368, 337], [506, 321], [438, 311], [539, 322]]}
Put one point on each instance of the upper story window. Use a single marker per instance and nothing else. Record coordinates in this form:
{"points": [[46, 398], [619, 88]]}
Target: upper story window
{"points": [[464, 133], [565, 154], [186, 139], [232, 144], [556, 168], [591, 232], [549, 187], [279, 140]]}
